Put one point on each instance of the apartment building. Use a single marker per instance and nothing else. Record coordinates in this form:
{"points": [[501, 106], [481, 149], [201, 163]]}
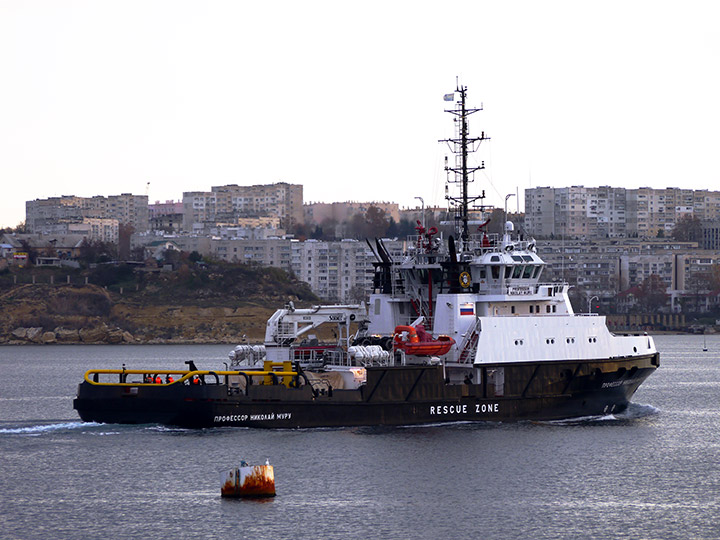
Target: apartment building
{"points": [[609, 212], [336, 271], [127, 209], [276, 252], [540, 211], [226, 204], [607, 267]]}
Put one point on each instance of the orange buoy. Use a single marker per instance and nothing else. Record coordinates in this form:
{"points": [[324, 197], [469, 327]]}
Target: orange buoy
{"points": [[249, 481]]}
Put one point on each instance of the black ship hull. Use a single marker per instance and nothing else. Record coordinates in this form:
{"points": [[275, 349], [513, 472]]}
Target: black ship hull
{"points": [[391, 396]]}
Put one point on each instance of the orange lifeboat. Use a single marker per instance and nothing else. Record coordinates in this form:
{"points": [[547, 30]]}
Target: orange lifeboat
{"points": [[417, 342]]}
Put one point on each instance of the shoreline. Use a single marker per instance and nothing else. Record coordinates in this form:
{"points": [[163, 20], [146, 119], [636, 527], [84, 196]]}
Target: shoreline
{"points": [[227, 340]]}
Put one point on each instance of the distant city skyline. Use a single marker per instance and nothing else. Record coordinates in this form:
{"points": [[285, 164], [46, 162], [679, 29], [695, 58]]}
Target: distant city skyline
{"points": [[157, 98]]}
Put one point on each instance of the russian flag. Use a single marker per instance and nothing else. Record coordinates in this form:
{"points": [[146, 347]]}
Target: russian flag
{"points": [[467, 309]]}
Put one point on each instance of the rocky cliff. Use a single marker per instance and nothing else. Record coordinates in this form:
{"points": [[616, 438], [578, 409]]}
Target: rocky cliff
{"points": [[173, 308]]}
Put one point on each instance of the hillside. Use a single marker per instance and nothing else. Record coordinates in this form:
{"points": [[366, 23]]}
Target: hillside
{"points": [[116, 304]]}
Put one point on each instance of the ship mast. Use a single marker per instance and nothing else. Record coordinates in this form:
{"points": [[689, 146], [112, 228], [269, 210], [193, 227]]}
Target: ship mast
{"points": [[461, 146]]}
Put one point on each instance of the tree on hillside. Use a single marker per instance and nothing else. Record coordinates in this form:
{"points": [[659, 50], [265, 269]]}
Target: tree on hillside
{"points": [[125, 231], [97, 251], [301, 231], [31, 251], [688, 229], [372, 224], [652, 294], [20, 228]]}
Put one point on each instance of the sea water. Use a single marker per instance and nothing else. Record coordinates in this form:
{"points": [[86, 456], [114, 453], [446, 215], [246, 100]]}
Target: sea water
{"points": [[652, 472]]}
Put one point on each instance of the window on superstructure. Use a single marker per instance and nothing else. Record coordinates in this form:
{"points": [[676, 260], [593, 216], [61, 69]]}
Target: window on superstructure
{"points": [[528, 272], [495, 272], [517, 271]]}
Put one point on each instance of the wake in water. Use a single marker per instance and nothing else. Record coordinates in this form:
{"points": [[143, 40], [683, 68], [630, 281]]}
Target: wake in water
{"points": [[634, 411], [39, 429]]}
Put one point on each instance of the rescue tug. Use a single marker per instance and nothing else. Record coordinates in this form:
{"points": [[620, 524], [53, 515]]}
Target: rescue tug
{"points": [[463, 330]]}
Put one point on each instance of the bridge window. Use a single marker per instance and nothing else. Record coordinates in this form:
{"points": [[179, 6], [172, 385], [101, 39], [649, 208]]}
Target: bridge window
{"points": [[528, 272], [517, 271], [495, 271]]}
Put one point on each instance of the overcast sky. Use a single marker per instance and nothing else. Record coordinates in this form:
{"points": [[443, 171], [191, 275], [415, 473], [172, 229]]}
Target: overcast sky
{"points": [[103, 97]]}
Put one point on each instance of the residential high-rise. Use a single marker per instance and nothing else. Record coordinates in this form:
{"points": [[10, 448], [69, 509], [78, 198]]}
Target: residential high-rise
{"points": [[46, 214], [225, 204], [611, 212]]}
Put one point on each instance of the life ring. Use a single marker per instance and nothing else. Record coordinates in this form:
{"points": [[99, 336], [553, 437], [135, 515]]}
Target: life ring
{"points": [[464, 280]]}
